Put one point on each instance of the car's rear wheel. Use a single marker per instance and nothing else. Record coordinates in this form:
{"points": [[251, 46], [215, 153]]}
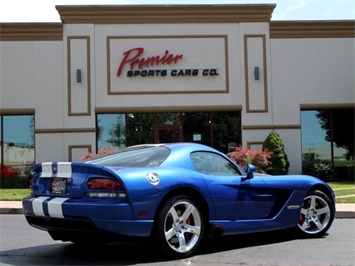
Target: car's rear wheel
{"points": [[317, 214], [180, 227]]}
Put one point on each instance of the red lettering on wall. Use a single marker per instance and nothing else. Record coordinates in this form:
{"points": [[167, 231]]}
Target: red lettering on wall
{"points": [[133, 58]]}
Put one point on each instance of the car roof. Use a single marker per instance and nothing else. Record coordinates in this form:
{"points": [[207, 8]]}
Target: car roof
{"points": [[176, 146]]}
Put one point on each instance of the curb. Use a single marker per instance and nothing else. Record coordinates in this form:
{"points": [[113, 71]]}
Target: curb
{"points": [[11, 211], [345, 215]]}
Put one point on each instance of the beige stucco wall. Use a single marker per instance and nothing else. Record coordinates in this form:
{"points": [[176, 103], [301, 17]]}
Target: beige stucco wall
{"points": [[300, 71]]}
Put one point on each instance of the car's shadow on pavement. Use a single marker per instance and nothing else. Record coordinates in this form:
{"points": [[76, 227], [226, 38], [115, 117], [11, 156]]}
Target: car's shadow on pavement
{"points": [[128, 254], [247, 240]]}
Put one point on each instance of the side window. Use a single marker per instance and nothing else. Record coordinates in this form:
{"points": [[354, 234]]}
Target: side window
{"points": [[213, 164]]}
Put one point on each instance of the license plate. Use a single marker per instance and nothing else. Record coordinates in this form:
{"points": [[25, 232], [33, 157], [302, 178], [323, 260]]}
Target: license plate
{"points": [[59, 186]]}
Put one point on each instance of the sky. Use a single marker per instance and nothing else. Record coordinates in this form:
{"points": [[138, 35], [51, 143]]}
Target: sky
{"points": [[44, 10]]}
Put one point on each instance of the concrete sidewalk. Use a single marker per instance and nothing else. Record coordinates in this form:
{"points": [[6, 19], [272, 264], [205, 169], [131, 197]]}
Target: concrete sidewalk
{"points": [[344, 210]]}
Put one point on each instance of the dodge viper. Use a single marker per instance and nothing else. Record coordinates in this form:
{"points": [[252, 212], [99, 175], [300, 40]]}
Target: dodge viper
{"points": [[175, 194]]}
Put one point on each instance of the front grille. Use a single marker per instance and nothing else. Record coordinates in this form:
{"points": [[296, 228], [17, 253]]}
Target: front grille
{"points": [[60, 224]]}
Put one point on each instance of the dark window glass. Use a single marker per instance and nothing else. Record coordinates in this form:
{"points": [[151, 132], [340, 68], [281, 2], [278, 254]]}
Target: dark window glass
{"points": [[213, 164], [220, 130], [140, 128]]}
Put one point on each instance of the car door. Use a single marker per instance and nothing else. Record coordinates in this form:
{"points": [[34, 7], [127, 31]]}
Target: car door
{"points": [[234, 196]]}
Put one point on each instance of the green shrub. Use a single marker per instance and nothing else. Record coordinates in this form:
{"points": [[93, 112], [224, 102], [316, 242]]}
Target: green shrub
{"points": [[321, 169], [351, 173], [278, 160], [344, 173], [326, 171], [19, 182]]}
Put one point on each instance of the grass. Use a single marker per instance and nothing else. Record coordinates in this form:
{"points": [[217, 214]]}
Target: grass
{"points": [[344, 191], [8, 194]]}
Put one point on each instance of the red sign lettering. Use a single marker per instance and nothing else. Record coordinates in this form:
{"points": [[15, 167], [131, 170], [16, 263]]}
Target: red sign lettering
{"points": [[133, 58]]}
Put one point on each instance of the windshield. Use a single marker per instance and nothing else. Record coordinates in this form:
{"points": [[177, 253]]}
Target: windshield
{"points": [[139, 156]]}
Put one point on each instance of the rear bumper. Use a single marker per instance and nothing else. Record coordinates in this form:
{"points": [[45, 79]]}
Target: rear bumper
{"points": [[104, 216]]}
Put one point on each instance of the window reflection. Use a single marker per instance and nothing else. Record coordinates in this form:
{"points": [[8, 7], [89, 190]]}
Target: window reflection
{"points": [[328, 143], [17, 144], [110, 131], [314, 145], [315, 142]]}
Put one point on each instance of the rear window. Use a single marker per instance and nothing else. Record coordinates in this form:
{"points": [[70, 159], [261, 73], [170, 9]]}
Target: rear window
{"points": [[138, 156]]}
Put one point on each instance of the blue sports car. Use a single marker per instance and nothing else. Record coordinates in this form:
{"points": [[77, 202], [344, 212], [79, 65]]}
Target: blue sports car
{"points": [[175, 194]]}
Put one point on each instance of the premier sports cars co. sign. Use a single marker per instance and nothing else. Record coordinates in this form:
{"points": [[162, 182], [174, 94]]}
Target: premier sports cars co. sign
{"points": [[182, 64], [140, 66]]}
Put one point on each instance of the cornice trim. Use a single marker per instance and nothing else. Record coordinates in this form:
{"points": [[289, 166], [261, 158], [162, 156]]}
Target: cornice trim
{"points": [[312, 29], [162, 14], [31, 31]]}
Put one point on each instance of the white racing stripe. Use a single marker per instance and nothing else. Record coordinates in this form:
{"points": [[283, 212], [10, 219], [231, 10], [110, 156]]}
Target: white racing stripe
{"points": [[37, 205], [55, 207], [46, 170], [64, 169]]}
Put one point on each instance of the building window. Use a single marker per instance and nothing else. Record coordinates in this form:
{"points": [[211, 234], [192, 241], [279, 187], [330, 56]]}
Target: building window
{"points": [[110, 130], [216, 129], [328, 142], [17, 149]]}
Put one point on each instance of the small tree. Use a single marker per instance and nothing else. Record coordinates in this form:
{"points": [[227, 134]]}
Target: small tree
{"points": [[279, 162], [244, 156]]}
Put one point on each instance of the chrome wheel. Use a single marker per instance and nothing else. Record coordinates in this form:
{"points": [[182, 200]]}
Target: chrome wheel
{"points": [[180, 227], [317, 214]]}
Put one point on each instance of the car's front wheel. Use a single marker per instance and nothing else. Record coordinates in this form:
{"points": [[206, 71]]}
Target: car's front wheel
{"points": [[180, 227], [317, 214]]}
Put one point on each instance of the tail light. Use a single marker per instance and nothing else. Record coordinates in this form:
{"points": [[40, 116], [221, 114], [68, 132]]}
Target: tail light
{"points": [[109, 188], [30, 180], [30, 183], [104, 184]]}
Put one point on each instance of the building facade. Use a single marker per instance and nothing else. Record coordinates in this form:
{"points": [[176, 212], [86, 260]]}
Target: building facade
{"points": [[223, 75]]}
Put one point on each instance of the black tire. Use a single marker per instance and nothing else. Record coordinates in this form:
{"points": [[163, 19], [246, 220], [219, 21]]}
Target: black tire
{"points": [[317, 214], [180, 227]]}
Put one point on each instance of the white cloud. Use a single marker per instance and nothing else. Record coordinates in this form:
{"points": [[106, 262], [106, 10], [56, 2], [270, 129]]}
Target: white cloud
{"points": [[286, 9]]}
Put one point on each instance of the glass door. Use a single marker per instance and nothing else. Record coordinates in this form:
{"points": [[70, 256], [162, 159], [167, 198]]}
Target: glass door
{"points": [[168, 128], [166, 135]]}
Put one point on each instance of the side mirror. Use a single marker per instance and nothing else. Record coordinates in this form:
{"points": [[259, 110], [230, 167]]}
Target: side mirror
{"points": [[250, 170]]}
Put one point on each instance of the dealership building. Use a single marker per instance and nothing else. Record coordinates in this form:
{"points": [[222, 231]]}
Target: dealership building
{"points": [[222, 75]]}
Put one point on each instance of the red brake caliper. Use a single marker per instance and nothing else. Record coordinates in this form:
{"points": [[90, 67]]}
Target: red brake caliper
{"points": [[188, 235], [301, 219]]}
